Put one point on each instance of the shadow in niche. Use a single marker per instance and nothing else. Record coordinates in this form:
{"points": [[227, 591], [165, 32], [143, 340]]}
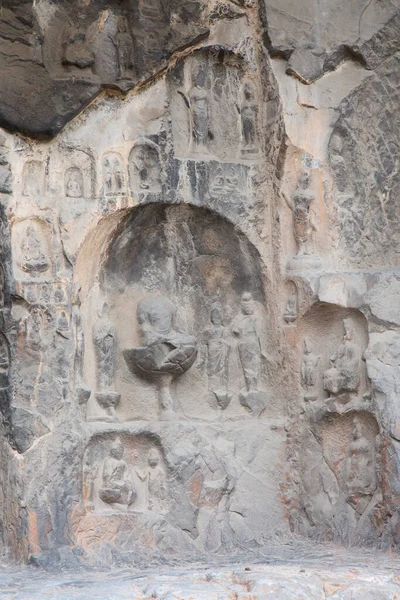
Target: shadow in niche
{"points": [[212, 278]]}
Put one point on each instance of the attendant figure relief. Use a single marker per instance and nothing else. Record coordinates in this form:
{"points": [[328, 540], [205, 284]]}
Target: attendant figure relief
{"points": [[197, 101], [217, 342], [156, 483], [246, 328], [249, 118], [361, 467], [104, 344], [303, 224], [125, 49]]}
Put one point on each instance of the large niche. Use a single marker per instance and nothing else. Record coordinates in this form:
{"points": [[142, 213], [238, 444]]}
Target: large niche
{"points": [[193, 263]]}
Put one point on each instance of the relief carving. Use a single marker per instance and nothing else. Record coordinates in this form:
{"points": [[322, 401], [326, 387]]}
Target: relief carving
{"points": [[167, 353], [226, 181], [144, 167], [290, 314], [198, 104], [33, 257], [303, 224], [344, 375], [78, 55], [125, 49], [62, 325], [104, 345], [74, 183], [217, 342], [39, 328], [249, 118], [45, 293], [32, 179], [310, 372], [60, 295], [245, 327], [117, 485], [156, 483], [114, 180], [361, 477]]}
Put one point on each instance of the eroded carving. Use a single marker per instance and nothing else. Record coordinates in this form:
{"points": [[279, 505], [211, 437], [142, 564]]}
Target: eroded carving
{"points": [[33, 255], [290, 314], [117, 485], [144, 167], [114, 181], [4, 355], [344, 375], [217, 343], [32, 179], [74, 183], [167, 353], [249, 118], [104, 344], [361, 477], [156, 483], [303, 224], [125, 49], [245, 327], [310, 372], [63, 323]]}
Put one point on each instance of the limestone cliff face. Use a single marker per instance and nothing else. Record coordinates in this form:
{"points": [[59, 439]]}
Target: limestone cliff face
{"points": [[199, 345]]}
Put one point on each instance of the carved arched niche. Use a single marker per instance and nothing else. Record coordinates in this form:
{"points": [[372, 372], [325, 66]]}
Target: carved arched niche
{"points": [[211, 277], [331, 342]]}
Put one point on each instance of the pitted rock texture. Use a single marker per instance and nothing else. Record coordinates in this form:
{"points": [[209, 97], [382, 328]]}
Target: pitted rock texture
{"points": [[199, 326], [316, 575]]}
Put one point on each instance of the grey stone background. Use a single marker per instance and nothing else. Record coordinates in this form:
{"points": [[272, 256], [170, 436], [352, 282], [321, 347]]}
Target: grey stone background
{"points": [[106, 195]]}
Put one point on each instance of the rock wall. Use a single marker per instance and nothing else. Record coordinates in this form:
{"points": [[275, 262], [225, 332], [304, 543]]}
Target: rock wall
{"points": [[199, 331]]}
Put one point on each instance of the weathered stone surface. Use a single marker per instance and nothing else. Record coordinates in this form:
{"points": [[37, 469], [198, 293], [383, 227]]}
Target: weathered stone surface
{"points": [[199, 326]]}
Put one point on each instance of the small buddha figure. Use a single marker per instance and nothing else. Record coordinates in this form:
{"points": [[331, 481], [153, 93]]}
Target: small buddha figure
{"points": [[310, 372], [145, 168], [344, 375], [74, 185], [33, 258], [231, 180], [63, 322], [218, 183], [290, 314], [59, 294], [117, 484]]}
